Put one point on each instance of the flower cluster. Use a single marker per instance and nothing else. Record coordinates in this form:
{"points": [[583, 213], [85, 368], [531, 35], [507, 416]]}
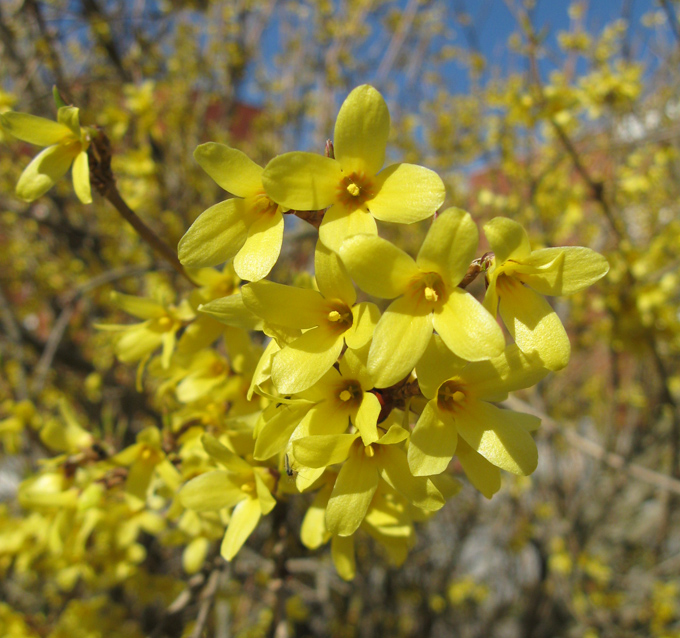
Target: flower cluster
{"points": [[365, 403]]}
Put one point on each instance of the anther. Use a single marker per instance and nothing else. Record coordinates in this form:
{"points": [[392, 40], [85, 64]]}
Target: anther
{"points": [[353, 189], [345, 395]]}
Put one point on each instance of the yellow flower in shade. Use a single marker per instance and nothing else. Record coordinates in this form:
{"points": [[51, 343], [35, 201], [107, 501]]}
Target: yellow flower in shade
{"points": [[239, 485], [460, 419], [330, 317], [162, 321], [427, 297], [364, 466], [247, 228], [67, 144], [351, 184], [519, 276]]}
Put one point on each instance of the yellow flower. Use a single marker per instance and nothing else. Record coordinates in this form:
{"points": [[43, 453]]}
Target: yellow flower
{"points": [[351, 184], [427, 297], [330, 317], [459, 418], [247, 228], [67, 144], [519, 276]]}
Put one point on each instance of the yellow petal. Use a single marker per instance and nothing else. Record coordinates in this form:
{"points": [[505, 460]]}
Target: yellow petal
{"points": [[313, 532], [231, 311], [437, 365], [399, 340], [242, 524], [323, 450], [275, 434], [211, 491], [418, 490], [512, 370], [378, 266], [33, 129], [81, 178], [141, 307], [497, 436], [331, 276], [302, 363], [338, 224], [264, 496], [366, 419], [482, 474], [231, 169], [216, 236], [467, 328], [69, 117], [433, 442], [262, 248], [352, 493], [365, 317], [282, 305], [449, 246], [507, 239], [342, 552], [361, 131], [46, 168], [139, 478], [533, 324], [577, 268], [406, 193], [225, 456], [302, 181], [194, 554]]}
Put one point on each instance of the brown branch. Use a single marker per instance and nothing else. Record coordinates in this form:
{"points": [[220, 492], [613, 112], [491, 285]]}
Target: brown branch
{"points": [[101, 177]]}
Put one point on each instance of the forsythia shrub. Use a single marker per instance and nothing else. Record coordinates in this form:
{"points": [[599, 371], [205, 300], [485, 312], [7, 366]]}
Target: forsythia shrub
{"points": [[273, 390]]}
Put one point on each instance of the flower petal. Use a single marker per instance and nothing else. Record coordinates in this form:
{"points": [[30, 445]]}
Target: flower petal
{"points": [[361, 131], [231, 169], [433, 442], [46, 168], [420, 491], [533, 323], [231, 311], [283, 305], [262, 248], [399, 340], [332, 277], [437, 365], [378, 266], [33, 129], [243, 521], [406, 193], [81, 178], [366, 419], [303, 362], [313, 532], [216, 236], [140, 307], [497, 436], [467, 328], [482, 474], [352, 494], [507, 239], [276, 432], [69, 116], [338, 224], [344, 561], [302, 181], [211, 491], [323, 450], [365, 318], [577, 268], [449, 246]]}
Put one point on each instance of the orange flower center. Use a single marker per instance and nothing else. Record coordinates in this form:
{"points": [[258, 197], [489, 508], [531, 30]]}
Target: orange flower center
{"points": [[451, 396], [354, 190]]}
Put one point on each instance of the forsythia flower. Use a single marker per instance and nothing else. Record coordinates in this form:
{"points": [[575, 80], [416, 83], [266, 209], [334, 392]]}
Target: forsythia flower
{"points": [[519, 276], [247, 228], [458, 419], [427, 297], [351, 183], [67, 144], [330, 316]]}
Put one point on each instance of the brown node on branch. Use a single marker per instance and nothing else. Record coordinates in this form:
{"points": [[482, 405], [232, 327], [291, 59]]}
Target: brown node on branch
{"points": [[396, 396], [479, 265], [99, 159], [313, 217]]}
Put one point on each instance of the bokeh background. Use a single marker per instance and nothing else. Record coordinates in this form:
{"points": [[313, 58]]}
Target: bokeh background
{"points": [[563, 116]]}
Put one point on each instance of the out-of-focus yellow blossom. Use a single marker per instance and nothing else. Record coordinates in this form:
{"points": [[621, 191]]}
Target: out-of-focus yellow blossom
{"points": [[246, 488], [331, 318], [247, 227], [519, 276], [427, 297], [22, 414], [67, 143], [459, 418], [352, 183]]}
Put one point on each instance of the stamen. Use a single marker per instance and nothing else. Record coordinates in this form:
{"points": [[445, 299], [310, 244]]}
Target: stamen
{"points": [[353, 189], [345, 395], [431, 294], [369, 451]]}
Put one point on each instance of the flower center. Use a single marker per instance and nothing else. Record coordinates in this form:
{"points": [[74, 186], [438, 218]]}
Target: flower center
{"points": [[349, 394], [429, 289], [340, 317], [165, 323], [217, 368], [451, 396], [262, 205], [354, 190]]}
